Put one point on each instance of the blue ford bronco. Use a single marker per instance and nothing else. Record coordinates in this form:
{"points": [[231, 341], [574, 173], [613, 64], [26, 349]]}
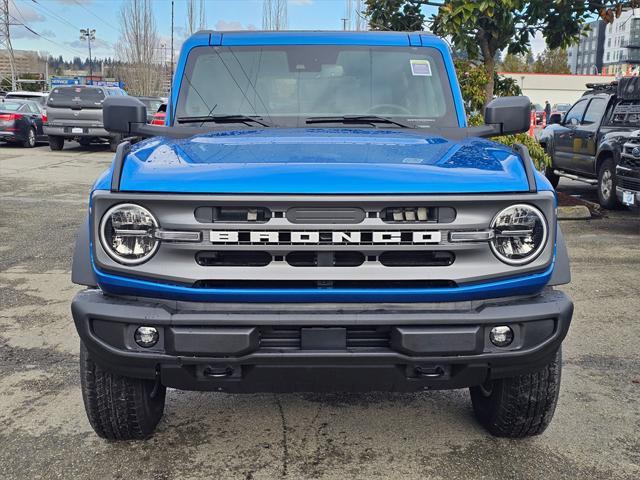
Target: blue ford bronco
{"points": [[316, 215]]}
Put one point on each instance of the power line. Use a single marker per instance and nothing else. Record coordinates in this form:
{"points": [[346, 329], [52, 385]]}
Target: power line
{"points": [[66, 47], [96, 16], [55, 15]]}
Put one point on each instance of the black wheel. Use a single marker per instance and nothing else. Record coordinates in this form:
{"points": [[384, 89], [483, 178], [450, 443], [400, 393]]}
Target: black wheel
{"points": [[607, 184], [119, 408], [85, 142], [30, 139], [114, 142], [549, 169], [56, 143], [520, 406]]}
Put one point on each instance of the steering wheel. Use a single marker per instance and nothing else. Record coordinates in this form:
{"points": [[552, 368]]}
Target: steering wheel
{"points": [[397, 108]]}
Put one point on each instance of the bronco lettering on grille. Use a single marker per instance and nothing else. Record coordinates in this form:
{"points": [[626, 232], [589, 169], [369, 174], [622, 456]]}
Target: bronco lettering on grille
{"points": [[325, 237]]}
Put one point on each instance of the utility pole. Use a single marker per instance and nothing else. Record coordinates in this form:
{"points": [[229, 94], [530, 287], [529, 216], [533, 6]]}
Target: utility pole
{"points": [[89, 34], [172, 41], [5, 40]]}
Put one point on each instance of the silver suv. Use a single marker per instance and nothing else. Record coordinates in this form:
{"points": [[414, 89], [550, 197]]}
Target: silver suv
{"points": [[75, 113]]}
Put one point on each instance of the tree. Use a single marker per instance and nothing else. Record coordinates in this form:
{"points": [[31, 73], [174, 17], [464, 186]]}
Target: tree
{"points": [[514, 63], [552, 61], [398, 15], [138, 48], [196, 16], [484, 27]]}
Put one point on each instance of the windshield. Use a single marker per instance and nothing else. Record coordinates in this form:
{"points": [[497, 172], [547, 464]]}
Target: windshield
{"points": [[10, 106], [69, 97], [289, 84]]}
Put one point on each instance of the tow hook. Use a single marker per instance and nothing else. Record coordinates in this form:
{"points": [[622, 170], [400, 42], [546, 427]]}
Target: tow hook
{"points": [[218, 371], [429, 371]]}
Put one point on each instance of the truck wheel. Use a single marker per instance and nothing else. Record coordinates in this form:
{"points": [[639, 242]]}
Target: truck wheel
{"points": [[56, 143], [114, 142], [30, 140], [607, 184], [552, 177], [85, 141], [520, 406], [548, 170], [119, 408]]}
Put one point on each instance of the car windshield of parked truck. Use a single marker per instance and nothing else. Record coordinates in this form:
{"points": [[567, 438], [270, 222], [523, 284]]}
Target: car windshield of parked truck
{"points": [[68, 97], [288, 85]]}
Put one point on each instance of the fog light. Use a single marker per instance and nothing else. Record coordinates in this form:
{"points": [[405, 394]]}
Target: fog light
{"points": [[146, 336], [501, 336]]}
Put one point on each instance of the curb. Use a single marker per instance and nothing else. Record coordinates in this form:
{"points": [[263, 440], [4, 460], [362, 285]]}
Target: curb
{"points": [[575, 212]]}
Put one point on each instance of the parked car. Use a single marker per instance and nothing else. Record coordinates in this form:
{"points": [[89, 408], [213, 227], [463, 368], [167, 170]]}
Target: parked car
{"points": [[160, 116], [331, 225], [152, 104], [628, 172], [75, 113], [21, 122], [587, 144], [38, 97]]}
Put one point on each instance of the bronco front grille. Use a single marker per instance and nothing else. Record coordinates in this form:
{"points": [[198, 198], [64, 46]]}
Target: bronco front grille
{"points": [[295, 242]]}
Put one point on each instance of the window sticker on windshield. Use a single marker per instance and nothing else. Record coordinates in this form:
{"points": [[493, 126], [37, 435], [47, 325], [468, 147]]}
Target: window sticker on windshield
{"points": [[420, 68]]}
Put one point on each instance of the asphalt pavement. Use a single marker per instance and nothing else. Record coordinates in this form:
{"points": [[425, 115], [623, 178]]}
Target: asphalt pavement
{"points": [[44, 433]]}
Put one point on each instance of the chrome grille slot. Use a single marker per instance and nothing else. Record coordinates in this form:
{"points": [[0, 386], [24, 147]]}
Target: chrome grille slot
{"points": [[233, 259], [416, 259], [325, 259], [418, 214], [232, 214]]}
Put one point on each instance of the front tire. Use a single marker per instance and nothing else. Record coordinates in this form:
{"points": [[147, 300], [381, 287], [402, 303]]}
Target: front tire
{"points": [[549, 169], [607, 185], [119, 408], [56, 142], [520, 406]]}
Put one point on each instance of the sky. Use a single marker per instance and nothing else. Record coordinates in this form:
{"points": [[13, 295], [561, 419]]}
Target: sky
{"points": [[57, 22]]}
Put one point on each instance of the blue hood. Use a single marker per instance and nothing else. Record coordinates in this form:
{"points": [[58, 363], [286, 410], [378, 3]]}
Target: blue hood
{"points": [[322, 161]]}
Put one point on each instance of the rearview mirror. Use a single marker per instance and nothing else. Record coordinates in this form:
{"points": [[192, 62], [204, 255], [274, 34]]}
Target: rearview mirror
{"points": [[508, 115]]}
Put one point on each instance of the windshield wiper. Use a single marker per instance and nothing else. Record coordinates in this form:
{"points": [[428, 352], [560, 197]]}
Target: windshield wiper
{"points": [[223, 118], [372, 119]]}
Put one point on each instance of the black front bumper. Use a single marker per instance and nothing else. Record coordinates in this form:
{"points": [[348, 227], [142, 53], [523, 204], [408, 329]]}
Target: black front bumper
{"points": [[321, 347]]}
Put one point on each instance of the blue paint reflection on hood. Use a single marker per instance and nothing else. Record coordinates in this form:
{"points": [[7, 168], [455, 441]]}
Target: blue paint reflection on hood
{"points": [[322, 161]]}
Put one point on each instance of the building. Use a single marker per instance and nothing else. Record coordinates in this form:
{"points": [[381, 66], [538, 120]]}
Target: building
{"points": [[557, 88], [586, 57], [27, 61], [622, 45]]}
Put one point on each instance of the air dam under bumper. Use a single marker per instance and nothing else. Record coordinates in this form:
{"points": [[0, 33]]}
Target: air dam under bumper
{"points": [[320, 347]]}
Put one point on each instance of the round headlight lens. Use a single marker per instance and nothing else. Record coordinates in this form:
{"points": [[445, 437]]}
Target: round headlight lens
{"points": [[127, 233], [520, 234]]}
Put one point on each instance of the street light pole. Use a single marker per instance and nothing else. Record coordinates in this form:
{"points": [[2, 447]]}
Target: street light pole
{"points": [[89, 34]]}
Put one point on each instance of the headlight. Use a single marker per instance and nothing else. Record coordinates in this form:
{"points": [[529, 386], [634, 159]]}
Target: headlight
{"points": [[520, 234], [127, 233]]}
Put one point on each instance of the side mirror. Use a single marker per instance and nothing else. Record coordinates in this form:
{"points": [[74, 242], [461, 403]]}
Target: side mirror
{"points": [[121, 114], [508, 115]]}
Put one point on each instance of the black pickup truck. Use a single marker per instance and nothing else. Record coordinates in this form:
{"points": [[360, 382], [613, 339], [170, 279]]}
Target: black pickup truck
{"points": [[587, 144]]}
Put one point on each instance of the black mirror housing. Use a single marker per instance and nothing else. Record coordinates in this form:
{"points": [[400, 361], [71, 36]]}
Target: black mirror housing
{"points": [[121, 114], [509, 115]]}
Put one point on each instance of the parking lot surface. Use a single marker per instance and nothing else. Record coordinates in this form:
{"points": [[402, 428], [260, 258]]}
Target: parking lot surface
{"points": [[44, 432]]}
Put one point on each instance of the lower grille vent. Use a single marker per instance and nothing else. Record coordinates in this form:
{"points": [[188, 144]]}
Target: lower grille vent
{"points": [[324, 284], [233, 259], [358, 338], [416, 259]]}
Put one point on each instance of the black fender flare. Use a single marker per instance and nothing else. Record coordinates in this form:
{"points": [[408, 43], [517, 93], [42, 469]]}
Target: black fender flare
{"points": [[81, 270], [561, 270]]}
